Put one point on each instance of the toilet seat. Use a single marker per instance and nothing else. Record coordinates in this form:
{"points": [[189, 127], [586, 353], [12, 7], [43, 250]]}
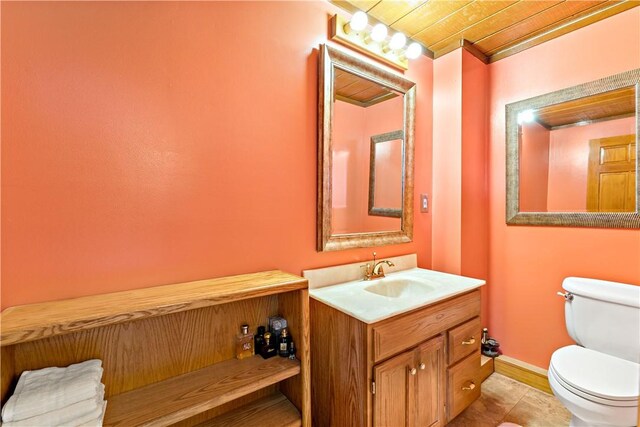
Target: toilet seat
{"points": [[596, 376]]}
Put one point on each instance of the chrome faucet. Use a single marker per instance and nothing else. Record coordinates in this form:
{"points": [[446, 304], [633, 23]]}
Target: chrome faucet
{"points": [[377, 271]]}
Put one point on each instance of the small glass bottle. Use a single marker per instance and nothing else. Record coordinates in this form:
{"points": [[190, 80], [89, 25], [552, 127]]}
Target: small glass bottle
{"points": [[292, 351], [283, 343], [258, 339], [268, 348], [244, 343]]}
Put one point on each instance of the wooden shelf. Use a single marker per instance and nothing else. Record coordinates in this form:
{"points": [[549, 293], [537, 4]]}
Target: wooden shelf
{"points": [[178, 398], [271, 411], [36, 321]]}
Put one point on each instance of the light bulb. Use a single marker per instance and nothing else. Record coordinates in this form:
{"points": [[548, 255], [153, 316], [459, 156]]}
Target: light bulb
{"points": [[398, 40], [414, 50], [358, 21], [379, 33], [526, 116]]}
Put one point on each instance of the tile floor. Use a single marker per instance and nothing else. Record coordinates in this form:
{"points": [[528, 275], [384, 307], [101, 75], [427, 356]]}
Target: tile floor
{"points": [[507, 400]]}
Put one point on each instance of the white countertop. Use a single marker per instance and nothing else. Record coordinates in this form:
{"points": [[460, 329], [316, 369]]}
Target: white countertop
{"points": [[414, 288]]}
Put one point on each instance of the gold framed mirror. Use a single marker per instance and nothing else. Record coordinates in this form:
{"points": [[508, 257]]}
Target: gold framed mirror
{"points": [[572, 156], [358, 101]]}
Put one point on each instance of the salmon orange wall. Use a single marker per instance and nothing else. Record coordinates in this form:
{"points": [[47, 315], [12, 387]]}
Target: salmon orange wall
{"points": [[147, 143], [353, 127], [527, 264], [460, 201], [569, 160], [534, 167]]}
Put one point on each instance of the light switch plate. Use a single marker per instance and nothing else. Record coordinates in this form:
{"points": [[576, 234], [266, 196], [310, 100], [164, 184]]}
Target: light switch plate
{"points": [[424, 203]]}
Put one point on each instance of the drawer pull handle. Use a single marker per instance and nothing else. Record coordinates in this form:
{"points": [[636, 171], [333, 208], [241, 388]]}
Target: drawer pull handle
{"points": [[470, 341], [470, 386], [422, 366], [413, 371]]}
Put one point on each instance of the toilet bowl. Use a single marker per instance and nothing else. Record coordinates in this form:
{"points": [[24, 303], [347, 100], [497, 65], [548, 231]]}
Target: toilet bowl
{"points": [[598, 380], [598, 389]]}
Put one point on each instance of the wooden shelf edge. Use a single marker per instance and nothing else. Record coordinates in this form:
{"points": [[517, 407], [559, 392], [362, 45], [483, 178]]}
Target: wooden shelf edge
{"points": [[271, 411], [43, 320], [178, 398]]}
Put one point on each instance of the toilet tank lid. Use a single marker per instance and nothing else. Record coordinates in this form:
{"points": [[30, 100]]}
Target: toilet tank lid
{"points": [[618, 293]]}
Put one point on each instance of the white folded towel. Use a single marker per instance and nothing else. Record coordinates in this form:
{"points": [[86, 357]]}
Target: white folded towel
{"points": [[88, 409], [96, 422], [49, 389]]}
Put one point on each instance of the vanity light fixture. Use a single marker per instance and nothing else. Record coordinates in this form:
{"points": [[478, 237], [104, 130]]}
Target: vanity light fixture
{"points": [[379, 33], [397, 42], [414, 50], [374, 41], [358, 22], [526, 116]]}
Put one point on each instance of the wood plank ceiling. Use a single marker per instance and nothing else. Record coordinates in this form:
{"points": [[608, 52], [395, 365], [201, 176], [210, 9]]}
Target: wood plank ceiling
{"points": [[359, 91], [492, 30], [611, 105]]}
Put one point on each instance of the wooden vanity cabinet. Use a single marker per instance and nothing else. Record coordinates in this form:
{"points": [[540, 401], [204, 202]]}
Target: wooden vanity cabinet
{"points": [[168, 352], [420, 368], [408, 387]]}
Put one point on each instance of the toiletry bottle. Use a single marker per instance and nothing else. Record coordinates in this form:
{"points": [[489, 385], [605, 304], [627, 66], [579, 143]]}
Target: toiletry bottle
{"points": [[258, 340], [268, 348], [292, 351], [283, 343], [244, 343], [485, 337]]}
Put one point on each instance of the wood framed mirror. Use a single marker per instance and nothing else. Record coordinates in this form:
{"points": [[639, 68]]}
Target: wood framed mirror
{"points": [[572, 156], [357, 101]]}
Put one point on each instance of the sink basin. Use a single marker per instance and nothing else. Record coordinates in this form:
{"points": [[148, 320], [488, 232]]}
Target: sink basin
{"points": [[396, 288]]}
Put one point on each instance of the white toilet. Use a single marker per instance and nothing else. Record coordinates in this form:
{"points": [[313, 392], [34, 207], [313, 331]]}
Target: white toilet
{"points": [[598, 380]]}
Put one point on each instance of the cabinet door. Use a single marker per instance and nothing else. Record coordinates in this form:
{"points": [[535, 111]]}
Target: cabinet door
{"points": [[427, 407], [390, 401]]}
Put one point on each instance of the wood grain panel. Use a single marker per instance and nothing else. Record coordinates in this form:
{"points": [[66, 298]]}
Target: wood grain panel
{"points": [[486, 367], [294, 306], [608, 105], [611, 183], [395, 391], [339, 377], [138, 353], [430, 384], [271, 411], [392, 10], [562, 27], [426, 15], [490, 24], [523, 372], [8, 375], [178, 398], [228, 407], [36, 321], [463, 385], [464, 340], [461, 19], [498, 40], [397, 334], [497, 29]]}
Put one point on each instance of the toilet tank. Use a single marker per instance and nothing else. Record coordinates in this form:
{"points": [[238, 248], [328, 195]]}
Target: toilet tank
{"points": [[604, 316]]}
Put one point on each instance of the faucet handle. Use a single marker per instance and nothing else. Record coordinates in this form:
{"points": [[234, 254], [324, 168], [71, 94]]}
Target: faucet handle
{"points": [[374, 258]]}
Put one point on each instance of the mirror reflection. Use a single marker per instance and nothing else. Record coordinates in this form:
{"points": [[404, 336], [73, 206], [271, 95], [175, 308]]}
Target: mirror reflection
{"points": [[385, 174], [579, 155], [366, 175]]}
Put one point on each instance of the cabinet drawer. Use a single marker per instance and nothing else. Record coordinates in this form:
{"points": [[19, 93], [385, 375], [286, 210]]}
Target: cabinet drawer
{"points": [[464, 340], [463, 385], [392, 336]]}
